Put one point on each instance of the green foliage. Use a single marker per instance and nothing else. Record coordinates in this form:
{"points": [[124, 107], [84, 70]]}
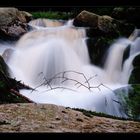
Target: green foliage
{"points": [[52, 15], [133, 102]]}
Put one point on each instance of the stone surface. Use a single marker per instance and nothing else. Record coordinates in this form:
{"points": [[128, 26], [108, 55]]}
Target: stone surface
{"points": [[4, 69], [13, 23], [52, 118], [105, 24]]}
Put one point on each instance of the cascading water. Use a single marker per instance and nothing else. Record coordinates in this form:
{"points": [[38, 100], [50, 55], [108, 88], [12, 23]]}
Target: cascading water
{"points": [[55, 61], [113, 65]]}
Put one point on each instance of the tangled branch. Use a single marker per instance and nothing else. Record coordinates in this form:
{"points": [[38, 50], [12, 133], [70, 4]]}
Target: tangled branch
{"points": [[63, 77]]}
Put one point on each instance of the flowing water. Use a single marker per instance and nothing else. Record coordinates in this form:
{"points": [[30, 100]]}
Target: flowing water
{"points": [[55, 61]]}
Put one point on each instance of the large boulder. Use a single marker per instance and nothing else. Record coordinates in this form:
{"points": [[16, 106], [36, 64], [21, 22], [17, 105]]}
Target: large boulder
{"points": [[13, 23], [86, 19], [105, 24]]}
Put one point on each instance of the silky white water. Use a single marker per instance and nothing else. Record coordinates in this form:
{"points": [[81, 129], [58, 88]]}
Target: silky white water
{"points": [[55, 61]]}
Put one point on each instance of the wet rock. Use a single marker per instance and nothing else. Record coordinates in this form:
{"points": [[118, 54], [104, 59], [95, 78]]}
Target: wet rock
{"points": [[4, 69], [126, 53], [135, 74], [97, 48], [136, 61]]}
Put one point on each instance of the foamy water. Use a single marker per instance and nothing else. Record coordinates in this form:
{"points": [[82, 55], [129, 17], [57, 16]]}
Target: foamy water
{"points": [[55, 61]]}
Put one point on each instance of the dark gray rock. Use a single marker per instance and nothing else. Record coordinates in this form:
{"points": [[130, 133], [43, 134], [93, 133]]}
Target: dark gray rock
{"points": [[104, 25], [135, 74]]}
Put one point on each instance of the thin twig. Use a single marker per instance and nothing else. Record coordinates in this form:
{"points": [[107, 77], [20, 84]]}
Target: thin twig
{"points": [[64, 79]]}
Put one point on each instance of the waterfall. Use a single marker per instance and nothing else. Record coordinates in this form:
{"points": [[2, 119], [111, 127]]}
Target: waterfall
{"points": [[113, 65], [55, 61]]}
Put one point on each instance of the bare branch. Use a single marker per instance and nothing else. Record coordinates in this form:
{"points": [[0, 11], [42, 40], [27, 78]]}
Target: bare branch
{"points": [[62, 75]]}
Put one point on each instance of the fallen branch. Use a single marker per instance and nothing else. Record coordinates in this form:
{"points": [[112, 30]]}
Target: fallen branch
{"points": [[20, 96], [62, 75]]}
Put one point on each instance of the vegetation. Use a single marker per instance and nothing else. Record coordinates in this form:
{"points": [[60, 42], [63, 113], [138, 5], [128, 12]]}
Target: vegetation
{"points": [[53, 15], [133, 102], [92, 113]]}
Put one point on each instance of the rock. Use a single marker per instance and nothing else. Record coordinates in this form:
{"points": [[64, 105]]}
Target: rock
{"points": [[27, 15], [13, 23], [108, 24], [105, 25], [126, 53], [86, 19], [3, 68], [101, 32], [97, 48], [136, 61], [25, 117], [9, 88], [135, 74]]}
